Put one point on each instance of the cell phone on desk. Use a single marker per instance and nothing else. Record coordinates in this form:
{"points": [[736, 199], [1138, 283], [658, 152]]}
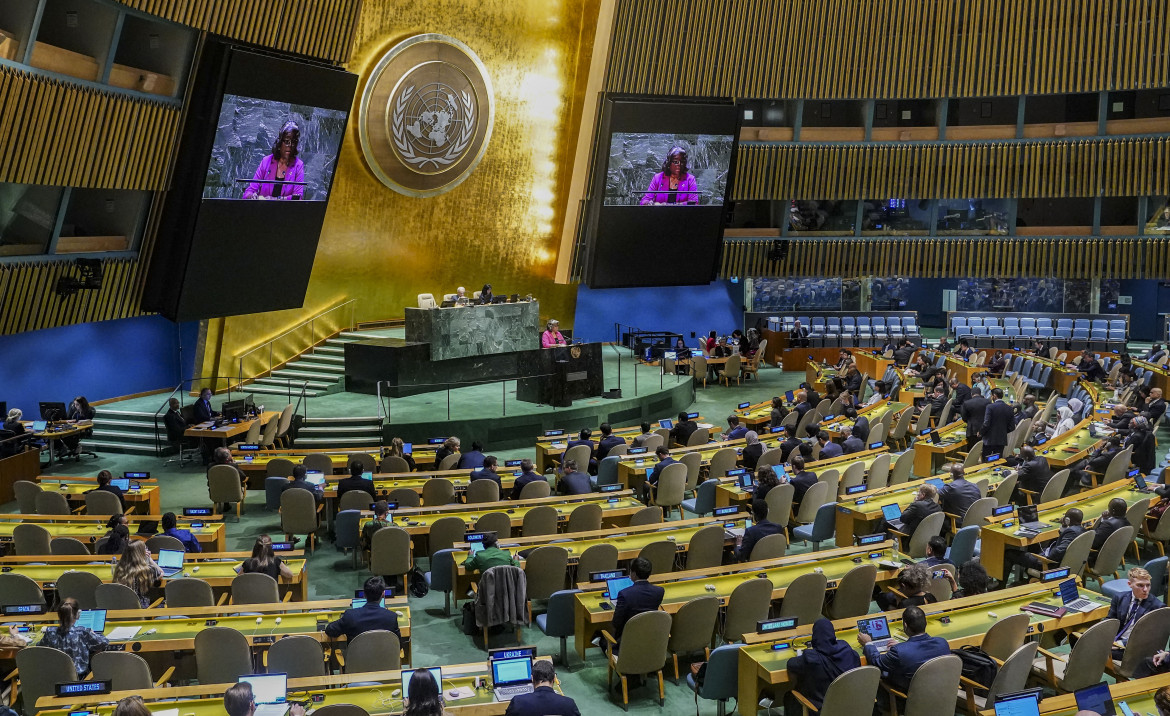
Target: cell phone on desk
{"points": [[606, 606]]}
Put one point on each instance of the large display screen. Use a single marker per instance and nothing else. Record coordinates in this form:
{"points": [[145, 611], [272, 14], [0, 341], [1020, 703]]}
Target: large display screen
{"points": [[655, 215], [655, 169], [273, 150], [251, 184]]}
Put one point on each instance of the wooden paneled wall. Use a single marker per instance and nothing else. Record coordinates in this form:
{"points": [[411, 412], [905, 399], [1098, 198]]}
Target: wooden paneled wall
{"points": [[1129, 258], [317, 28], [888, 48], [53, 132], [30, 302], [1053, 168]]}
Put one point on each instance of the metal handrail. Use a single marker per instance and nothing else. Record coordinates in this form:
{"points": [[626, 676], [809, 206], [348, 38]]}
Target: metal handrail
{"points": [[311, 322]]}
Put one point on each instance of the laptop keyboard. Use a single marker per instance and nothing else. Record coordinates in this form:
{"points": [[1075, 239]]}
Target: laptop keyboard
{"points": [[1080, 604], [510, 691]]}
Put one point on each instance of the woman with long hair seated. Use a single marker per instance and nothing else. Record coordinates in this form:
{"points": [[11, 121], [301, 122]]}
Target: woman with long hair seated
{"points": [[77, 641], [138, 571], [425, 695], [118, 536], [265, 561]]}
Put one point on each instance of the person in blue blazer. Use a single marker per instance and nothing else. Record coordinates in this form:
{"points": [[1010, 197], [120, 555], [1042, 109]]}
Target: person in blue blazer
{"points": [[1129, 607], [371, 616], [735, 431], [641, 596], [903, 658], [608, 442], [472, 459], [544, 700]]}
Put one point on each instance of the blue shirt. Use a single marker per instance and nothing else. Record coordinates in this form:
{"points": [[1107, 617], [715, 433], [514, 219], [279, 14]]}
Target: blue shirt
{"points": [[739, 432], [831, 449], [189, 542], [78, 643]]}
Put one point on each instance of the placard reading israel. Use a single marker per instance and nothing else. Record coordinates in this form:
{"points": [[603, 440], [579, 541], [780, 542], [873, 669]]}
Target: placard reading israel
{"points": [[426, 115]]}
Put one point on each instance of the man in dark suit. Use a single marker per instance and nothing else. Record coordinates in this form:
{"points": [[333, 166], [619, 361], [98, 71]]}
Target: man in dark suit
{"points": [[641, 596], [1109, 522], [608, 442], [641, 438], [1156, 353], [1122, 417], [1025, 410], [851, 443], [800, 478], [573, 482], [904, 658], [1091, 369], [298, 475], [811, 395], [1033, 472], [202, 411], [960, 391], [488, 472], [473, 458], [527, 475], [798, 336], [957, 496], [791, 442], [853, 379], [938, 402], [735, 431], [829, 449], [1129, 607], [904, 352], [544, 700], [664, 459], [1154, 406], [370, 616], [802, 405], [973, 410], [861, 428], [174, 420], [925, 504], [758, 531], [355, 481], [682, 429], [1070, 529], [103, 480], [583, 438], [964, 350], [997, 423]]}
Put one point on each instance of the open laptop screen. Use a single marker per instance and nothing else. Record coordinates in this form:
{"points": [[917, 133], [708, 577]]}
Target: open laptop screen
{"points": [[170, 558], [268, 688], [1020, 703], [511, 672], [613, 587], [436, 673], [94, 619]]}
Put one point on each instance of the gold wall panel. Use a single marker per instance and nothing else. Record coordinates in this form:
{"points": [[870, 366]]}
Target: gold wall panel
{"points": [[1115, 257], [317, 28], [888, 48], [1049, 168], [500, 225], [52, 132]]}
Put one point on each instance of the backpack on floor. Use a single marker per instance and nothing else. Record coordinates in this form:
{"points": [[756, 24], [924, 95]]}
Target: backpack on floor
{"points": [[977, 666], [417, 583]]}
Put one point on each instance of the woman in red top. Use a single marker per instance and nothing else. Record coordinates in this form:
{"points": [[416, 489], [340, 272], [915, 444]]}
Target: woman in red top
{"points": [[710, 342]]}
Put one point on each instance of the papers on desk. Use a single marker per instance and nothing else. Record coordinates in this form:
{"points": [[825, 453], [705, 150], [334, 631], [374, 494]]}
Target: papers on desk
{"points": [[123, 632], [165, 712], [464, 692]]}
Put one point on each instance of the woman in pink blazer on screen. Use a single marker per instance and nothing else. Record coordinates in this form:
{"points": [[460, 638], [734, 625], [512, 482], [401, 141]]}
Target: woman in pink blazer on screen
{"points": [[282, 164], [552, 335], [674, 184]]}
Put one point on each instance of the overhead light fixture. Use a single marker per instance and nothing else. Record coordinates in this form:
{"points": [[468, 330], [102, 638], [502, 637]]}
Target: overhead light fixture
{"points": [[90, 279]]}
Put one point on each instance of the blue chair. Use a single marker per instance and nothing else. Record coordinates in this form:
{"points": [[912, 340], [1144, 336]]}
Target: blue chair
{"points": [[1081, 324], [721, 679], [346, 533], [1045, 331], [1117, 325], [557, 620], [958, 324], [442, 576], [823, 526], [606, 472], [974, 322], [1156, 567], [273, 486], [1010, 322], [965, 545], [704, 500]]}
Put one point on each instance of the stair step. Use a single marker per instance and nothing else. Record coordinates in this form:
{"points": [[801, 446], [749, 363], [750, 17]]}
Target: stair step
{"points": [[328, 350], [299, 376], [276, 382], [136, 436], [263, 389], [363, 431], [107, 412], [329, 364], [329, 358], [357, 419], [108, 446], [372, 441], [102, 423]]}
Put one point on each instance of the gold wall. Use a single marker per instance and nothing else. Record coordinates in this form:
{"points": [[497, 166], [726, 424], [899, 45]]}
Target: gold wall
{"points": [[499, 226]]}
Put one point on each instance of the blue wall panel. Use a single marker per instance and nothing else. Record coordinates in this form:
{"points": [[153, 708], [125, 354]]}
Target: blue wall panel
{"points": [[715, 307], [97, 360]]}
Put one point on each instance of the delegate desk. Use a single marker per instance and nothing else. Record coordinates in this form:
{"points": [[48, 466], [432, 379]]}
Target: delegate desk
{"points": [[1138, 694], [616, 510], [681, 587], [929, 456], [872, 363], [633, 469], [1004, 532], [90, 528], [762, 667], [860, 515], [551, 448], [729, 493], [58, 431], [818, 375], [145, 499], [255, 462], [218, 569], [759, 415], [629, 542], [369, 690], [873, 413], [1161, 377], [209, 431]]}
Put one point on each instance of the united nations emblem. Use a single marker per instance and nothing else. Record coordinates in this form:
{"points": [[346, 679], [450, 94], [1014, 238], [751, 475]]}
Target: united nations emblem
{"points": [[575, 351], [426, 115]]}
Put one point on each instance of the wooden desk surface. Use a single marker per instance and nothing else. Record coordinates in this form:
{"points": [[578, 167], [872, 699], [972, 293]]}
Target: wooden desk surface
{"points": [[90, 528], [681, 587], [761, 666], [1138, 694], [60, 429], [147, 498], [228, 430], [418, 522], [217, 574], [729, 493], [872, 412]]}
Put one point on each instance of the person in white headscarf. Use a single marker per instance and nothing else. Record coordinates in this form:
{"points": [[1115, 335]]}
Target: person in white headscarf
{"points": [[1066, 421], [1075, 405]]}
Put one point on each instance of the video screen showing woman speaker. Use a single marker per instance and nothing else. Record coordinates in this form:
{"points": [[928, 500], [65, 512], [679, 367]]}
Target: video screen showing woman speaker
{"points": [[267, 150], [651, 169]]}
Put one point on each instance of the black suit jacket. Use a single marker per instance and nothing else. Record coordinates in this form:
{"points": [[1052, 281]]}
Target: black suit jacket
{"points": [[306, 485], [606, 445], [544, 701], [973, 410], [682, 431], [114, 489], [1106, 526], [1154, 409], [1121, 604], [523, 480], [801, 481], [852, 444], [1034, 474], [176, 424], [356, 483], [639, 597], [202, 411], [751, 455], [486, 474], [997, 424], [365, 618], [962, 394], [957, 496], [916, 512], [786, 449], [1059, 546]]}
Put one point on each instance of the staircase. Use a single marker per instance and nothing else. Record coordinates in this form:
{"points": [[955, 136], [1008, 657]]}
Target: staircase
{"points": [[322, 369], [125, 431], [351, 432]]}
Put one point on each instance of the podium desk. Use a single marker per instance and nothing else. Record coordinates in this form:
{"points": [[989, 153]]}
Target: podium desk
{"points": [[470, 331], [681, 587]]}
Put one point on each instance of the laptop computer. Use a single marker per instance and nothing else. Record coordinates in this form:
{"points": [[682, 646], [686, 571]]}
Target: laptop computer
{"points": [[512, 677], [878, 628], [94, 619], [1030, 518], [39, 426], [737, 532], [1018, 703], [1096, 698], [270, 692], [666, 423], [315, 478], [893, 515], [170, 561], [613, 587], [747, 482], [121, 483], [1072, 597], [436, 673]]}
